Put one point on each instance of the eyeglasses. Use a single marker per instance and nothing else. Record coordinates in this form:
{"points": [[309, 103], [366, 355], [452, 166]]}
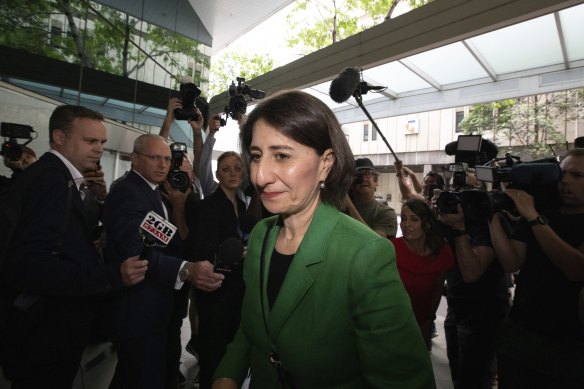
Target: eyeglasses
{"points": [[366, 173], [156, 158]]}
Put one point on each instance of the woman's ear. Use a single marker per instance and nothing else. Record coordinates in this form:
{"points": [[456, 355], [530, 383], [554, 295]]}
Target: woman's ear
{"points": [[328, 159]]}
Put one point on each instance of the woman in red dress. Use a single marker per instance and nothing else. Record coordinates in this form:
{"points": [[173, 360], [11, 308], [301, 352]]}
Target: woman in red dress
{"points": [[423, 258]]}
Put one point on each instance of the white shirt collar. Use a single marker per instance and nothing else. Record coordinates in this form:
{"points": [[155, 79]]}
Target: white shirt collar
{"points": [[152, 185], [76, 174]]}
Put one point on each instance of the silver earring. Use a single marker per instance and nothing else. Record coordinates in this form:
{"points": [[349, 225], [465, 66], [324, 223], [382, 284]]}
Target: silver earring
{"points": [[322, 186]]}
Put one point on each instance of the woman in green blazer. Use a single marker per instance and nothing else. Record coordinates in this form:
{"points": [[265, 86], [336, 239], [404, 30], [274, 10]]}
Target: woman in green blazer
{"points": [[324, 306]]}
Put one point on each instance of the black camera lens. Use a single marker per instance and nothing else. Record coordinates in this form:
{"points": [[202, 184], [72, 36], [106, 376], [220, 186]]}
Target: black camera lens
{"points": [[447, 202], [179, 180]]}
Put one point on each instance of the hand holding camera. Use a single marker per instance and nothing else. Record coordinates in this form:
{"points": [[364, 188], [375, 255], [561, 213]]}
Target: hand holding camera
{"points": [[95, 181]]}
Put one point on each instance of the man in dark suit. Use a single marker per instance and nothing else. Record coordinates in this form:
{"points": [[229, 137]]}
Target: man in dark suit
{"points": [[140, 316], [53, 271]]}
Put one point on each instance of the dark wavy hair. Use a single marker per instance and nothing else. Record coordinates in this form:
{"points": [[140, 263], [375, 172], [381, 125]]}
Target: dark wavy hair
{"points": [[308, 121], [430, 225]]}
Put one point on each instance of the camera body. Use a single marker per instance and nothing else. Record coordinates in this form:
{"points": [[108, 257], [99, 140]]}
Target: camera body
{"points": [[189, 94], [237, 102], [539, 178], [11, 149], [177, 178]]}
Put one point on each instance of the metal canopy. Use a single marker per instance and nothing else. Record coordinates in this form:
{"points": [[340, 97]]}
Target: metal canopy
{"points": [[449, 53], [216, 23]]}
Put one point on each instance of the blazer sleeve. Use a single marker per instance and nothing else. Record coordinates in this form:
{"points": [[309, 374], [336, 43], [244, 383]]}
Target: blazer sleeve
{"points": [[236, 360], [31, 265], [124, 210], [390, 348]]}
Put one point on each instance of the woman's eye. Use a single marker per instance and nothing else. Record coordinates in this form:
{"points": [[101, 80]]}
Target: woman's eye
{"points": [[255, 157], [282, 156]]}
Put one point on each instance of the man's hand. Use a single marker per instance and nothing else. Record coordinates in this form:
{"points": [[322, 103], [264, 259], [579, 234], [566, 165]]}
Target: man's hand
{"points": [[175, 196], [197, 125], [133, 270], [454, 220], [173, 103], [96, 183], [399, 165], [201, 275], [523, 202], [214, 124]]}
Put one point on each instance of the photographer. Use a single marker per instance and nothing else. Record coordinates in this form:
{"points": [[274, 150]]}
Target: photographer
{"points": [[410, 186], [542, 341], [27, 158], [477, 301], [362, 205]]}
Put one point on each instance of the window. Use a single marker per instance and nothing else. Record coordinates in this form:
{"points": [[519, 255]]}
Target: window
{"points": [[365, 132], [373, 134], [459, 117], [56, 33]]}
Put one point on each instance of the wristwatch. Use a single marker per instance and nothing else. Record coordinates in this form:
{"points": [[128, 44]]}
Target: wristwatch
{"points": [[457, 233], [183, 273], [539, 220]]}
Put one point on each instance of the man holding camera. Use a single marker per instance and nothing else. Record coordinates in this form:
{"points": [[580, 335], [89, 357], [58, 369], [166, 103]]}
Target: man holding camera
{"points": [[362, 205], [541, 344], [477, 300], [18, 165], [140, 317]]}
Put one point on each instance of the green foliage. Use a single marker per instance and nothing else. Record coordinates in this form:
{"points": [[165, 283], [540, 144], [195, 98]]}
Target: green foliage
{"points": [[234, 62], [317, 24], [528, 122]]}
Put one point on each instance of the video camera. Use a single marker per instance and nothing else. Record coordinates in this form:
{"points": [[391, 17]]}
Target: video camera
{"points": [[11, 149], [189, 96], [178, 179], [237, 102], [539, 178]]}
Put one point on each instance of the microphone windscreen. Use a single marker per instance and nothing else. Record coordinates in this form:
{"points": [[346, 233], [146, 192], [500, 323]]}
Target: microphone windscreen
{"points": [[450, 148], [344, 85], [230, 251]]}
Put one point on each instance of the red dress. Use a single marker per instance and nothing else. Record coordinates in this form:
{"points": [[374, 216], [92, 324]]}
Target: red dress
{"points": [[419, 274]]}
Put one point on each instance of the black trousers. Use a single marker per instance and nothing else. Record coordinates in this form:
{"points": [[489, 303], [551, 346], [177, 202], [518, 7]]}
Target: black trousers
{"points": [[527, 359], [58, 375], [141, 362], [471, 348]]}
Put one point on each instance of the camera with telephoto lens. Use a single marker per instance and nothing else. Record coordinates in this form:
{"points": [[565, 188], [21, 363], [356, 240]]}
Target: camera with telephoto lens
{"points": [[11, 149], [177, 178], [539, 178], [189, 93], [237, 102]]}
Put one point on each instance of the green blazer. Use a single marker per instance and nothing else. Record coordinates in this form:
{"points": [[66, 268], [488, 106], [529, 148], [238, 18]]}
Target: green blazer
{"points": [[342, 318]]}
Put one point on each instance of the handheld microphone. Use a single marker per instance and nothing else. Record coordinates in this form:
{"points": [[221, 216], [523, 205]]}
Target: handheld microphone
{"points": [[343, 87], [156, 231], [229, 255]]}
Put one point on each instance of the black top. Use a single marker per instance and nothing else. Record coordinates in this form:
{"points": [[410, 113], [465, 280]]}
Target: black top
{"points": [[545, 300], [489, 294], [216, 220], [278, 268]]}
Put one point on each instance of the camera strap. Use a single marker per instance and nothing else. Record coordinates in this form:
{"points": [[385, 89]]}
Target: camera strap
{"points": [[283, 375]]}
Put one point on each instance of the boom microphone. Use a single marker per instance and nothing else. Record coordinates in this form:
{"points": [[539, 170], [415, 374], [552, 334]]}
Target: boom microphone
{"points": [[229, 254], [343, 87]]}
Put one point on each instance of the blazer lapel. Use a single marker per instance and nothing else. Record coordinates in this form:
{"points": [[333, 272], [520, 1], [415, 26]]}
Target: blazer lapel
{"points": [[150, 194], [299, 280]]}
